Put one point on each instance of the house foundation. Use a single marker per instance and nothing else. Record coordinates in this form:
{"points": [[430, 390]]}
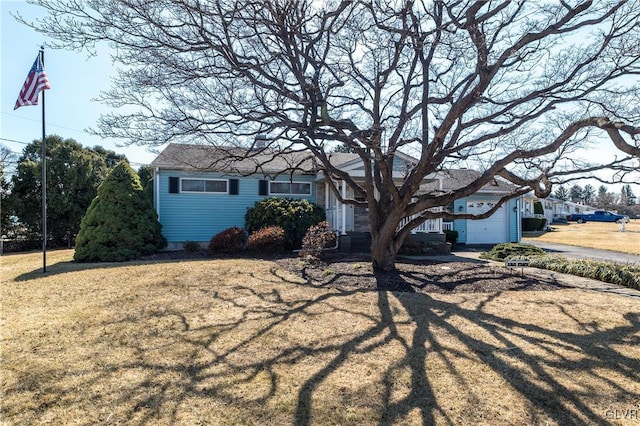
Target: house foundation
{"points": [[419, 243]]}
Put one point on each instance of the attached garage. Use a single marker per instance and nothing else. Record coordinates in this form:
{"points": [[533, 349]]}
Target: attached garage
{"points": [[492, 230]]}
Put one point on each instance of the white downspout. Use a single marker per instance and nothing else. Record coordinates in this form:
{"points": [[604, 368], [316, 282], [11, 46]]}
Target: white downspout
{"points": [[344, 208], [156, 191], [440, 230], [518, 219], [326, 200]]}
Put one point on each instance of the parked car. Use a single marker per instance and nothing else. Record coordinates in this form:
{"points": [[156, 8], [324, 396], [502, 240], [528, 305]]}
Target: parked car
{"points": [[598, 216]]}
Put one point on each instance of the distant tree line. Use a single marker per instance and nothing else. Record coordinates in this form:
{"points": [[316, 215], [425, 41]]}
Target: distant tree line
{"points": [[624, 202], [74, 173]]}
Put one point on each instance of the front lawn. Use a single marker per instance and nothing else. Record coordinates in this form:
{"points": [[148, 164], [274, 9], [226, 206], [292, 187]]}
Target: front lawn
{"points": [[598, 235], [245, 342]]}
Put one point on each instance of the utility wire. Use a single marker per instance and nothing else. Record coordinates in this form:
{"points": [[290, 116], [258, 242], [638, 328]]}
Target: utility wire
{"points": [[47, 123], [133, 163], [14, 141]]}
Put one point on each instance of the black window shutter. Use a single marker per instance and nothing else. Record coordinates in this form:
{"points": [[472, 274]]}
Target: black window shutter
{"points": [[173, 185], [233, 186], [262, 187]]}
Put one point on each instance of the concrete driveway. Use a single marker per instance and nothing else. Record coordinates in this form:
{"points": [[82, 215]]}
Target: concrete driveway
{"points": [[573, 252]]}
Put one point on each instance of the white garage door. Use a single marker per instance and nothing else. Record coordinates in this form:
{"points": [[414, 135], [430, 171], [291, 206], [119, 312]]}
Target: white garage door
{"points": [[491, 230]]}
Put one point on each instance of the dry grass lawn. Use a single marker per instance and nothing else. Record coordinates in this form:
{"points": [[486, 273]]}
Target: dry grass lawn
{"points": [[242, 342], [606, 236]]}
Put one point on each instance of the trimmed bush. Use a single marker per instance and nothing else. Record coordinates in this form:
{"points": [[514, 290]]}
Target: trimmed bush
{"points": [[294, 216], [317, 238], [613, 273], [538, 208], [505, 251], [451, 236], [267, 240], [191, 246], [120, 224], [231, 240], [531, 224]]}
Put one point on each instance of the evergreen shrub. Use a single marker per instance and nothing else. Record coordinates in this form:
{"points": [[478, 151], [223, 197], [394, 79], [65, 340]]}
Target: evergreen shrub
{"points": [[191, 246], [609, 272], [292, 215], [538, 209], [614, 273], [270, 239], [231, 240], [120, 224], [531, 224], [451, 236], [505, 251]]}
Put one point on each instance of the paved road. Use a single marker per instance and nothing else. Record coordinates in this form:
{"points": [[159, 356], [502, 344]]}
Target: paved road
{"points": [[573, 252]]}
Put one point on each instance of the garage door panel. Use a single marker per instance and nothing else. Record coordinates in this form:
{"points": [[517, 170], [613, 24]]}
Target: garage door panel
{"points": [[490, 230]]}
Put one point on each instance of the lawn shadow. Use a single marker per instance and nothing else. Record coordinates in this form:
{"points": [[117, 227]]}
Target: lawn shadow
{"points": [[157, 258], [73, 266], [543, 391], [546, 396], [215, 360]]}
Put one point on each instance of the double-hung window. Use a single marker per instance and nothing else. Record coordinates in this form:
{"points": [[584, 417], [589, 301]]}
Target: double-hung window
{"points": [[289, 188], [216, 186]]}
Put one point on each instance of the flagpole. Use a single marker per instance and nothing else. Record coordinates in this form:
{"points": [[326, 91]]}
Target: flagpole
{"points": [[44, 181]]}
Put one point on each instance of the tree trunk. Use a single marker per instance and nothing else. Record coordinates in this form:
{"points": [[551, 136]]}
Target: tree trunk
{"points": [[383, 251], [385, 242]]}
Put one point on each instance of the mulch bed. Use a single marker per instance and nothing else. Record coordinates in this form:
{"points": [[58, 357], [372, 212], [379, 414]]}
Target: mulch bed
{"points": [[354, 272]]}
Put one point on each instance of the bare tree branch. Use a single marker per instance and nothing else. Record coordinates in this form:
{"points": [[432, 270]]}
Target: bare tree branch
{"points": [[516, 90]]}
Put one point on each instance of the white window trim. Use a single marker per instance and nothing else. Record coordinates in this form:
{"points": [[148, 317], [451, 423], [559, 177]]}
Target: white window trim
{"points": [[205, 192], [289, 193]]}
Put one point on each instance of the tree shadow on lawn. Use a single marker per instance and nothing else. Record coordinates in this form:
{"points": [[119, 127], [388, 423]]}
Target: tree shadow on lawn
{"points": [[221, 362], [545, 394], [158, 258], [539, 387], [426, 275]]}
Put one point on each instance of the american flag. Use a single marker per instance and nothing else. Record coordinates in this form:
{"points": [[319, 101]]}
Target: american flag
{"points": [[36, 82]]}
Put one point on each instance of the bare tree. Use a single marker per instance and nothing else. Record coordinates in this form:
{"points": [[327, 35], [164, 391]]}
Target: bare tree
{"points": [[8, 160], [515, 89], [605, 200]]}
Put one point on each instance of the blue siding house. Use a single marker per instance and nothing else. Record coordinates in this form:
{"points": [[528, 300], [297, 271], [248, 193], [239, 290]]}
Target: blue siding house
{"points": [[202, 190]]}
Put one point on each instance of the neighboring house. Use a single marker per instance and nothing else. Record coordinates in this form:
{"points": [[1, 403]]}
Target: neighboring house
{"points": [[555, 209], [200, 191], [504, 226]]}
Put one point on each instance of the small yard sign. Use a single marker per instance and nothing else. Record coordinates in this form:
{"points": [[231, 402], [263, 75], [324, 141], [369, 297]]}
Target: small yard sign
{"points": [[517, 262]]}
